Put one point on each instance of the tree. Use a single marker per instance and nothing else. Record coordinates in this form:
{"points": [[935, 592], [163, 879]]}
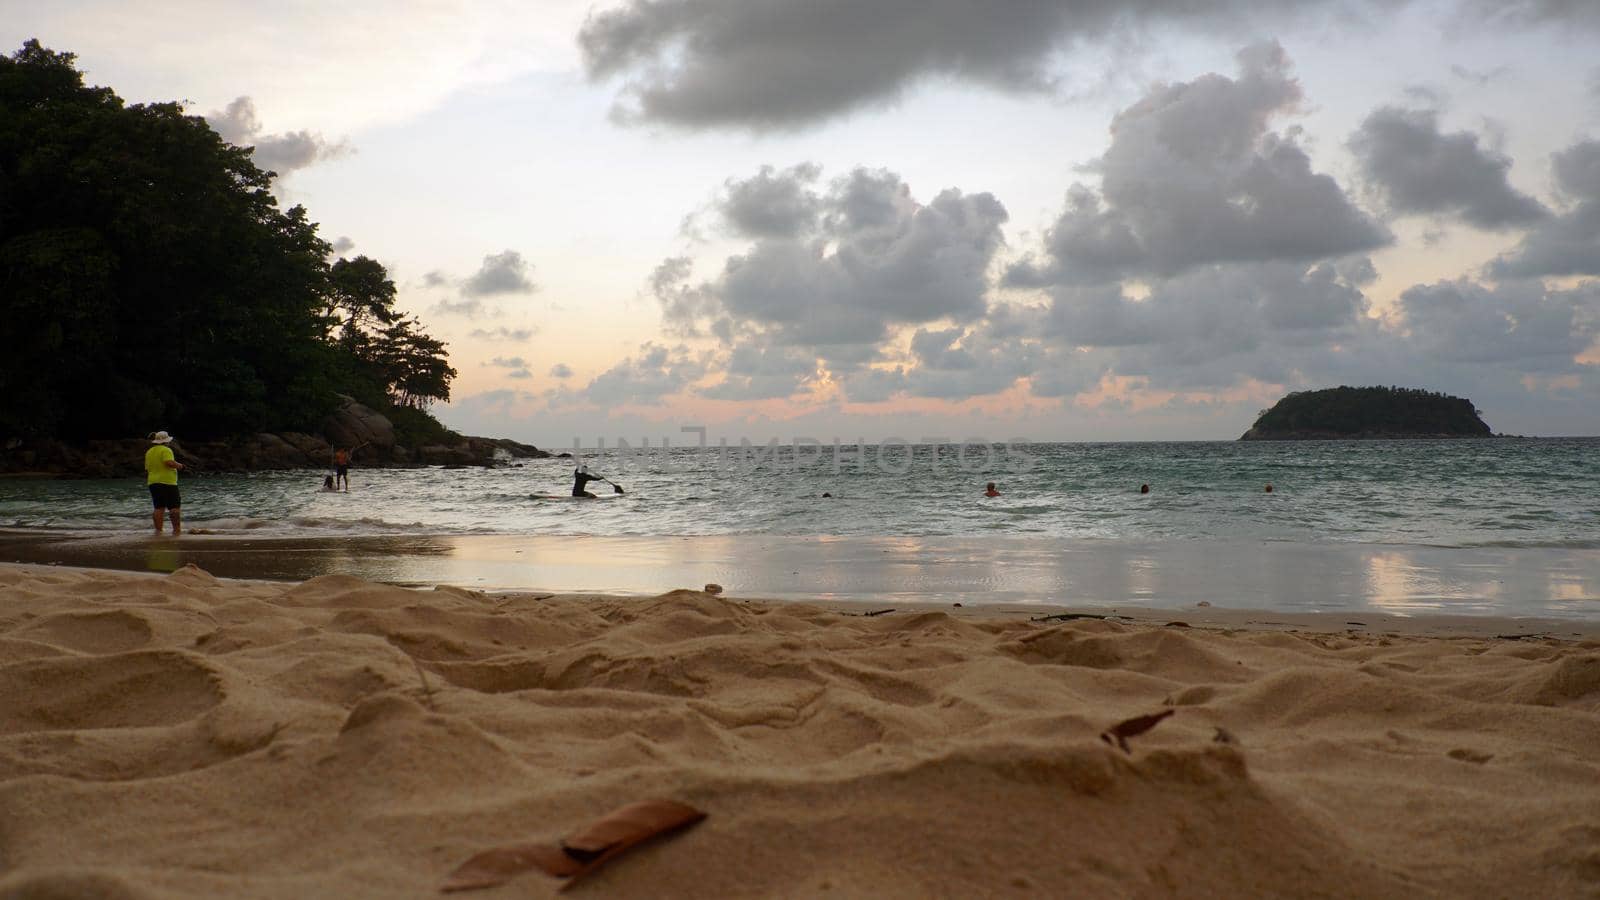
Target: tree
{"points": [[150, 279]]}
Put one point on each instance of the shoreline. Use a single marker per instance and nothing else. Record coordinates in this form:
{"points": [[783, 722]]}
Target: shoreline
{"points": [[1276, 577], [1201, 616]]}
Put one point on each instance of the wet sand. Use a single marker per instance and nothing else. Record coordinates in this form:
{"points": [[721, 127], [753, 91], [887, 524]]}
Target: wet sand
{"points": [[1280, 576]]}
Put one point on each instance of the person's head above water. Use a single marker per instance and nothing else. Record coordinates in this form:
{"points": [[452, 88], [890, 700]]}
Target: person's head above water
{"points": [[1144, 488], [989, 490]]}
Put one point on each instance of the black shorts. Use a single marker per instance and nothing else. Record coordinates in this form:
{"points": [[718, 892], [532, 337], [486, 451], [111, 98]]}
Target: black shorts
{"points": [[164, 496], [342, 469]]}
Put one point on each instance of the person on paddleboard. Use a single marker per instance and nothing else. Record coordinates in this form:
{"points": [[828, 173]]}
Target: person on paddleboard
{"points": [[580, 482]]}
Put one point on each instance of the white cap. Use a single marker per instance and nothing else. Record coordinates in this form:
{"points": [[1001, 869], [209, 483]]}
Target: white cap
{"points": [[161, 437]]}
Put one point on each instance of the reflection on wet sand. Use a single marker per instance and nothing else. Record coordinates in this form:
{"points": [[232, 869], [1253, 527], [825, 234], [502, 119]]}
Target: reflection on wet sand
{"points": [[1253, 575]]}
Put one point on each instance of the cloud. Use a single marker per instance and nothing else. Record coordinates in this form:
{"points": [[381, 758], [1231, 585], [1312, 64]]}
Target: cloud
{"points": [[1494, 14], [1479, 78], [956, 363], [1193, 177], [754, 371], [343, 244], [1520, 325], [435, 279], [465, 308], [778, 64], [655, 372], [508, 362], [503, 334], [1419, 170], [519, 373], [786, 64], [873, 258], [281, 153], [771, 204], [1568, 243], [501, 273], [1213, 325], [561, 370]]}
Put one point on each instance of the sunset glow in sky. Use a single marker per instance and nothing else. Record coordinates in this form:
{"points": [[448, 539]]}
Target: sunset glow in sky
{"points": [[1052, 219]]}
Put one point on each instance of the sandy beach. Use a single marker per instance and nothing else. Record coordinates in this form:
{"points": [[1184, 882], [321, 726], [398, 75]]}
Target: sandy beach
{"points": [[188, 736]]}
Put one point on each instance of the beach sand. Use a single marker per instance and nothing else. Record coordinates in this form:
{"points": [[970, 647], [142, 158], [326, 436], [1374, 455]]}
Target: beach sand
{"points": [[186, 736]]}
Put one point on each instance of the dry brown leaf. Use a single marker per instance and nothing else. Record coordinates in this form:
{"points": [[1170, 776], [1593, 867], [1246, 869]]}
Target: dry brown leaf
{"points": [[1119, 733], [582, 852]]}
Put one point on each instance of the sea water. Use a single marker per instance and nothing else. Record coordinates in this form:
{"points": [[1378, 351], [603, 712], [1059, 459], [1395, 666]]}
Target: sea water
{"points": [[1504, 493]]}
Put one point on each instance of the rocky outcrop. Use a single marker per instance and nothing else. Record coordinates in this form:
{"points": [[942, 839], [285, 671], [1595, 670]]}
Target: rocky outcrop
{"points": [[256, 452], [352, 424]]}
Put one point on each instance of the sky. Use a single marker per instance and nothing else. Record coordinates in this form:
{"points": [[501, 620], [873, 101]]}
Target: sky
{"points": [[1076, 220]]}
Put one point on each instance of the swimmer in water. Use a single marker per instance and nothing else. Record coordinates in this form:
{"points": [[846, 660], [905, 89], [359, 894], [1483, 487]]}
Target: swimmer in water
{"points": [[990, 491]]}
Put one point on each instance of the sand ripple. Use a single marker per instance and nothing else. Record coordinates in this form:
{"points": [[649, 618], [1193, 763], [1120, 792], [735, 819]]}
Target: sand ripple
{"points": [[184, 736]]}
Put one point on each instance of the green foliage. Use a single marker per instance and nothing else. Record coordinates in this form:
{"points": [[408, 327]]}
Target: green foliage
{"points": [[1371, 411], [415, 428], [151, 281]]}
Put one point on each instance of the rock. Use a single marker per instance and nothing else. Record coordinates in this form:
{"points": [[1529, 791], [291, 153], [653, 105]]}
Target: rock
{"points": [[713, 589], [353, 424]]}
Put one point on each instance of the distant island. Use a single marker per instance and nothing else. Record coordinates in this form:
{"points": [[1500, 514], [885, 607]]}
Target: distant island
{"points": [[1344, 413]]}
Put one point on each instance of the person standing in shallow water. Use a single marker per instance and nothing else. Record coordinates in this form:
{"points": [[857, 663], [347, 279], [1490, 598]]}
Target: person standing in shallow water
{"points": [[161, 476], [341, 465]]}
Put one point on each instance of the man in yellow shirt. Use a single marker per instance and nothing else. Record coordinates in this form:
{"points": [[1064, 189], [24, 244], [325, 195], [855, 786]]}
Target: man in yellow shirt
{"points": [[161, 474]]}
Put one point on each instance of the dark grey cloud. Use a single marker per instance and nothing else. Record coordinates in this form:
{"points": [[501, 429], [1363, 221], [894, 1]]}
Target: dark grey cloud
{"points": [[654, 372], [281, 153], [771, 204], [773, 63], [501, 273], [1211, 319], [1520, 325], [1489, 14], [873, 385], [343, 244], [503, 334], [1479, 78], [873, 259], [957, 363], [1419, 170], [1568, 243], [753, 371], [1193, 177], [561, 370], [765, 64]]}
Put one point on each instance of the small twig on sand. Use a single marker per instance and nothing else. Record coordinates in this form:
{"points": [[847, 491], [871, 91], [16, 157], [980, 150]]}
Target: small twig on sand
{"points": [[878, 612], [1118, 734]]}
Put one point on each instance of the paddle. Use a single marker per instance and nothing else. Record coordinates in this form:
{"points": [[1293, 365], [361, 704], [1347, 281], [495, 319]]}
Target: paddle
{"points": [[614, 486]]}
